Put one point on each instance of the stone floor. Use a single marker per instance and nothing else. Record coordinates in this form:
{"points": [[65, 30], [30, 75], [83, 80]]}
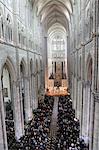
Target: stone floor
{"points": [[53, 129]]}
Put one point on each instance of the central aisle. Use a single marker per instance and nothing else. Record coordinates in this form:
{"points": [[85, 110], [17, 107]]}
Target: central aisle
{"points": [[53, 129]]}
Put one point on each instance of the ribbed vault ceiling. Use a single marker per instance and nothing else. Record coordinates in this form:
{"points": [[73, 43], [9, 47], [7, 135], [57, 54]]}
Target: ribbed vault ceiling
{"points": [[54, 11], [56, 29]]}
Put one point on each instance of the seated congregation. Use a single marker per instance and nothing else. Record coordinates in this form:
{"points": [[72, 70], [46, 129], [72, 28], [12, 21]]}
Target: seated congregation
{"points": [[68, 126], [37, 131]]}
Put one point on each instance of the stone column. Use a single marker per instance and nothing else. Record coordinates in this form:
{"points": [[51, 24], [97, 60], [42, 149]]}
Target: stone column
{"points": [[74, 99], [35, 95], [64, 68], [17, 96], [39, 74], [72, 83], [79, 100], [88, 107], [28, 111], [32, 91], [39, 80], [96, 123], [72, 90], [46, 64], [81, 106], [95, 136], [36, 89], [53, 67], [21, 103], [91, 121], [77, 80], [86, 110], [18, 111], [3, 135], [84, 105], [96, 43], [2, 140]]}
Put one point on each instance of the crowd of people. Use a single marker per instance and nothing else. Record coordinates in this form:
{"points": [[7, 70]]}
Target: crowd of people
{"points": [[68, 127], [9, 123], [37, 130]]}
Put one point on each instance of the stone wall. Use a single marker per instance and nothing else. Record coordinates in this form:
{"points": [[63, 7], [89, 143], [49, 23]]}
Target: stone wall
{"points": [[84, 79], [21, 37]]}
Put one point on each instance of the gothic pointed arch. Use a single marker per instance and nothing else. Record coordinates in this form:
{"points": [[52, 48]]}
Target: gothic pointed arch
{"points": [[8, 62], [8, 78], [23, 89]]}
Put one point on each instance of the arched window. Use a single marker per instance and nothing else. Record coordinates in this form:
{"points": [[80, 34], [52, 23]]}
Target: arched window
{"points": [[9, 28], [23, 38], [19, 34], [1, 24], [58, 43]]}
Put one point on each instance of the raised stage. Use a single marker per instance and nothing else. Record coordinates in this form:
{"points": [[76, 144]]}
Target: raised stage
{"points": [[57, 91]]}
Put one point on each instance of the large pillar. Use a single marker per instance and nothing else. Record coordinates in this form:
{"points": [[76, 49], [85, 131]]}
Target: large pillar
{"points": [[95, 126], [78, 99], [46, 64], [32, 91], [16, 85], [75, 94], [79, 105], [28, 111], [3, 135], [83, 111], [86, 109], [39, 75], [72, 90], [18, 117], [2, 141], [96, 123], [91, 122], [35, 93]]}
